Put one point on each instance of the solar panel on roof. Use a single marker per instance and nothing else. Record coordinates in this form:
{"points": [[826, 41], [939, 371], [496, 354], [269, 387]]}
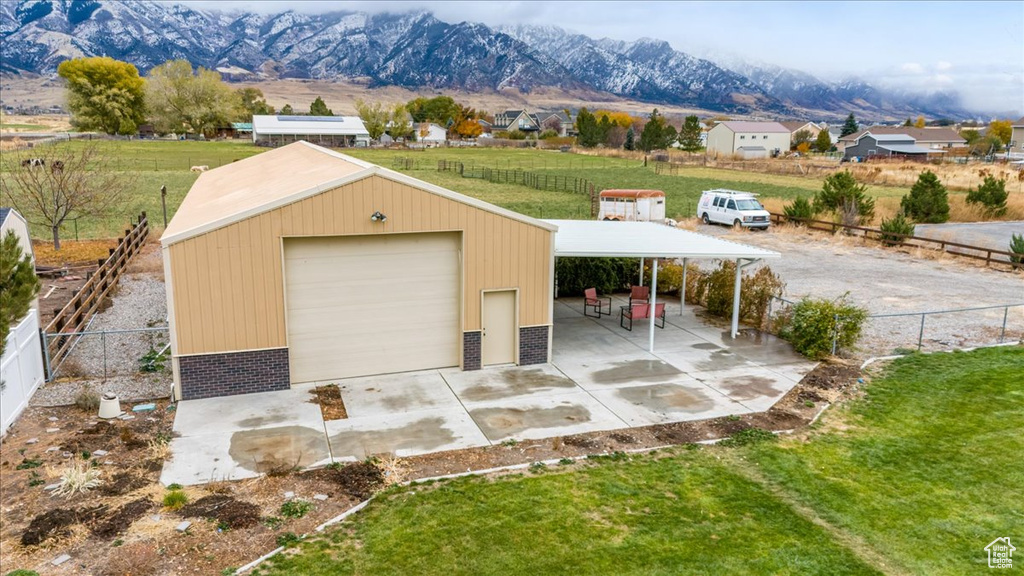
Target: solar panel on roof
{"points": [[335, 119]]}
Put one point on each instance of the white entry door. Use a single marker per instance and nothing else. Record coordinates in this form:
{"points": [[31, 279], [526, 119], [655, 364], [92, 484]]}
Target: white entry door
{"points": [[498, 336]]}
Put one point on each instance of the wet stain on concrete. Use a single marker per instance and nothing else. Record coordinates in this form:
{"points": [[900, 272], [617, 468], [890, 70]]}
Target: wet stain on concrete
{"points": [[280, 448], [635, 370], [510, 383], [426, 434], [410, 398], [498, 423], [719, 360], [749, 387], [262, 420], [667, 398], [706, 346]]}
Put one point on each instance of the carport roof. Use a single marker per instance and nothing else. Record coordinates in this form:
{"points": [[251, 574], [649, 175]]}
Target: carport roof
{"points": [[596, 238]]}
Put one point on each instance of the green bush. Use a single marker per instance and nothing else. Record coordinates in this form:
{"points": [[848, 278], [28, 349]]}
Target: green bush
{"points": [[714, 291], [287, 539], [22, 572], [991, 194], [799, 209], [811, 325], [928, 200], [670, 277], [516, 135], [748, 437], [175, 499], [841, 190], [608, 275], [1017, 247], [895, 228], [548, 134], [296, 508]]}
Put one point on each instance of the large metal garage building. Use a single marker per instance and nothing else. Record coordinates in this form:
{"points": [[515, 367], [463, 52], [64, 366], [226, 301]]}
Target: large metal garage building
{"points": [[301, 264]]}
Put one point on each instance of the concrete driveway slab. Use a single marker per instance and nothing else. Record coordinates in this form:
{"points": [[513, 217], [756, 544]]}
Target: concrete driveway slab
{"points": [[242, 454], [491, 384], [534, 417], [264, 409], [646, 404], [756, 388], [395, 393], [403, 434]]}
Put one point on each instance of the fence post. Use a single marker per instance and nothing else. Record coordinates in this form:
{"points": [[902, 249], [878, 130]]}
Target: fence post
{"points": [[47, 373], [920, 335], [103, 340], [835, 332], [1002, 334]]}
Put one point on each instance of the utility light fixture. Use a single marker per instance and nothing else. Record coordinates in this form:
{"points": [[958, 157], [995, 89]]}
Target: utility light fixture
{"points": [[378, 217]]}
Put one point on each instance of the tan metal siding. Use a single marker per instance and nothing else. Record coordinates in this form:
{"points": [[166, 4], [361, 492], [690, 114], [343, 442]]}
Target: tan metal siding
{"points": [[228, 283]]}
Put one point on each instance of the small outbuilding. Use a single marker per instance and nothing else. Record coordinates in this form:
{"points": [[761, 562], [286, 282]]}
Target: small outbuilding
{"points": [[302, 264], [337, 131]]}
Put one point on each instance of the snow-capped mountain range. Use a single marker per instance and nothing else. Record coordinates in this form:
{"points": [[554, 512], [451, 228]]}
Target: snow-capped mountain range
{"points": [[417, 50]]}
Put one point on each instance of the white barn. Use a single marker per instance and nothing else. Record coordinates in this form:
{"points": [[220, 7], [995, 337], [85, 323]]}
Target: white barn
{"points": [[338, 131]]}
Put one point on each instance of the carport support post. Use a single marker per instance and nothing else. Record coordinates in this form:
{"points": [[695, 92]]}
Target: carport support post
{"points": [[736, 296], [654, 298], [682, 289], [641, 271]]}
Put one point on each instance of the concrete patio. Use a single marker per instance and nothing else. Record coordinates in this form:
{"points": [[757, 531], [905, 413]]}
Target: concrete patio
{"points": [[601, 377]]}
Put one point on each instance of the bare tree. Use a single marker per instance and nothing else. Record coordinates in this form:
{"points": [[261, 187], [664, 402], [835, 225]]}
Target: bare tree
{"points": [[61, 182]]}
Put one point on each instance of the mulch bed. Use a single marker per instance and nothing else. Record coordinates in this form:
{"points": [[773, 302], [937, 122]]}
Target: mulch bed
{"points": [[329, 399], [122, 518], [225, 509], [57, 523]]}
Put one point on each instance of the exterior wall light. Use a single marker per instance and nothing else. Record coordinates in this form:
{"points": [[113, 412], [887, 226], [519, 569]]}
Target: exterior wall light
{"points": [[378, 217]]}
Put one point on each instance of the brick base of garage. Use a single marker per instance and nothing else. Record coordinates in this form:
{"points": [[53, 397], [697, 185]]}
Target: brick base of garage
{"points": [[533, 344], [471, 350], [209, 375]]}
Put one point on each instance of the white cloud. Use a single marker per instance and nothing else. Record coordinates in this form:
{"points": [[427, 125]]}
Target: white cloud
{"points": [[942, 79], [912, 68], [943, 65]]}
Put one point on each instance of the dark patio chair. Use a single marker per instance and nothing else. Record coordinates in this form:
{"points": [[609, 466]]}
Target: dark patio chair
{"points": [[595, 303]]}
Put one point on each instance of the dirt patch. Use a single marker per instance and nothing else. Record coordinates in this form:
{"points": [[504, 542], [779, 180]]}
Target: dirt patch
{"points": [[329, 399], [623, 437], [57, 523], [123, 483], [122, 518], [581, 441], [831, 376], [224, 509], [361, 479]]}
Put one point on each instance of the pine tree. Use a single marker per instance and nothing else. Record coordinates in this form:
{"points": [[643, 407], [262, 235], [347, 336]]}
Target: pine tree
{"points": [[823, 143], [630, 139], [589, 133], [654, 134], [689, 134], [287, 110], [928, 200], [319, 108], [850, 126], [18, 284]]}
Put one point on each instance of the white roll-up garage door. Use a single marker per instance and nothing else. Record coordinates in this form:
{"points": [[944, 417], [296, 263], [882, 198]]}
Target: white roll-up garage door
{"points": [[363, 305]]}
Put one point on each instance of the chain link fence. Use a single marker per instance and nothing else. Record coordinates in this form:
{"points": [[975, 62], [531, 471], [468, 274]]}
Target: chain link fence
{"points": [[934, 330], [102, 354]]}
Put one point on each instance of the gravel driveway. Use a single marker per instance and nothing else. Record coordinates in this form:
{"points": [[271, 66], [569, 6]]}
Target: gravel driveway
{"points": [[889, 281]]}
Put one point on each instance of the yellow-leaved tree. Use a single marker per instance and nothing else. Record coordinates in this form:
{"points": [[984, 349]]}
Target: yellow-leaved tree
{"points": [[104, 94]]}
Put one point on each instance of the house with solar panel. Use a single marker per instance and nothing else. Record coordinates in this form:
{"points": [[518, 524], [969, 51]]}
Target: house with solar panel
{"points": [[901, 146], [334, 131]]}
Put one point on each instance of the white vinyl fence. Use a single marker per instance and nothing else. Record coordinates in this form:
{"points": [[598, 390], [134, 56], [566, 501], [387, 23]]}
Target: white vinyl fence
{"points": [[21, 369]]}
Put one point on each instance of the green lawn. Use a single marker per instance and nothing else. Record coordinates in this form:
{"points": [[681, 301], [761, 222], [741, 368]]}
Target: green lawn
{"points": [[916, 477], [157, 163]]}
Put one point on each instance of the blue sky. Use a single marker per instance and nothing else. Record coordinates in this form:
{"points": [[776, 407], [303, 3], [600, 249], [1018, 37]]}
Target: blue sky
{"points": [[974, 48]]}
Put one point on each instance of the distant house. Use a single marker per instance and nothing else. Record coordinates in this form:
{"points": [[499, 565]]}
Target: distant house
{"points": [[748, 139], [870, 145], [487, 126], [935, 138], [557, 121], [510, 120], [146, 131], [1017, 138], [429, 133], [339, 131], [795, 126], [242, 129]]}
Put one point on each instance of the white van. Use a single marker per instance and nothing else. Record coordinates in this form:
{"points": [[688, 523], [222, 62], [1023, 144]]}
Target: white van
{"points": [[732, 208]]}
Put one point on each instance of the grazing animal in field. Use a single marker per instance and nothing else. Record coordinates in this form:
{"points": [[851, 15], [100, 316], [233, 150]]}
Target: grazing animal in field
{"points": [[57, 166], [203, 168], [33, 163]]}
